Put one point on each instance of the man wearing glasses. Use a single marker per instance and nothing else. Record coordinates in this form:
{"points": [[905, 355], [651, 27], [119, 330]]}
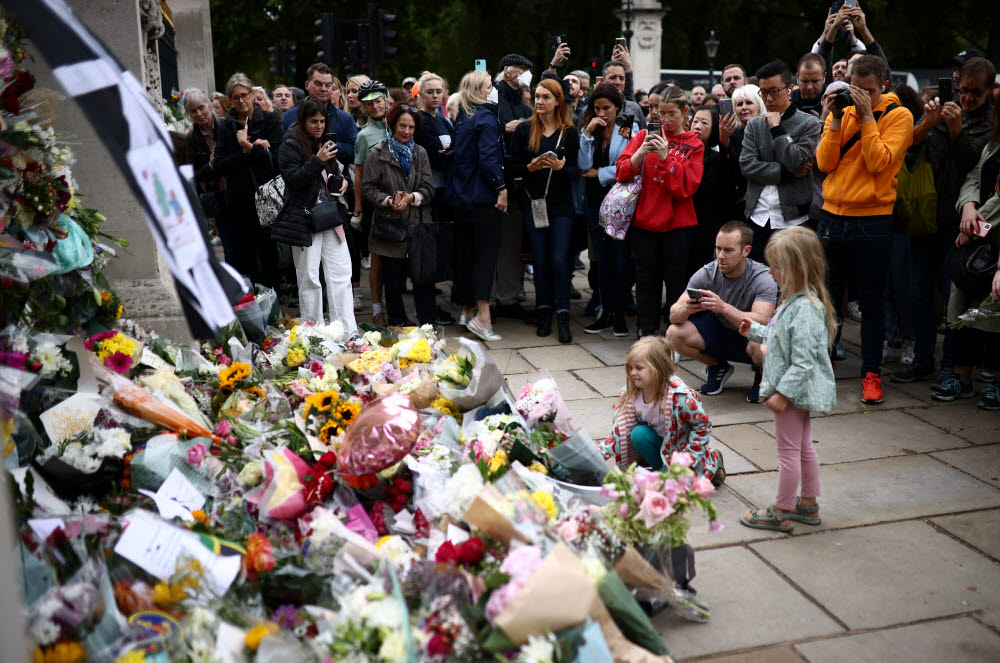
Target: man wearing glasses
{"points": [[953, 148], [777, 159]]}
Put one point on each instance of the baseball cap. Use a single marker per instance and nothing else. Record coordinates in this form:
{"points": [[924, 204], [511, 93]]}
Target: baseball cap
{"points": [[409, 79], [966, 55]]}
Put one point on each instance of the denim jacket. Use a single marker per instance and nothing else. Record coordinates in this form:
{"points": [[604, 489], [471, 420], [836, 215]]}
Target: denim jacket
{"points": [[585, 159], [797, 363]]}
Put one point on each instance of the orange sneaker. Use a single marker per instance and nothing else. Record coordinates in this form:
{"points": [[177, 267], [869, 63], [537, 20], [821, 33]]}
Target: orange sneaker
{"points": [[871, 389]]}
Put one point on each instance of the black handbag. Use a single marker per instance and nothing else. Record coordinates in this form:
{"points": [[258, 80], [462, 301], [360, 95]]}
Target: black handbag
{"points": [[971, 268], [422, 253], [390, 230], [325, 216]]}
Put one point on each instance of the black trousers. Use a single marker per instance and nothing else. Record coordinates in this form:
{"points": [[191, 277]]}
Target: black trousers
{"points": [[393, 278], [660, 257], [255, 254], [477, 242]]}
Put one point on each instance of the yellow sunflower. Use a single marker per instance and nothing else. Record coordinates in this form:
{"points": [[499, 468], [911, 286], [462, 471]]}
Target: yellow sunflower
{"points": [[234, 373], [321, 402], [347, 412], [330, 430]]}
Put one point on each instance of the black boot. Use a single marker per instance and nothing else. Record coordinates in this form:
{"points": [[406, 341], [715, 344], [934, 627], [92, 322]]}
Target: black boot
{"points": [[562, 321], [544, 322]]}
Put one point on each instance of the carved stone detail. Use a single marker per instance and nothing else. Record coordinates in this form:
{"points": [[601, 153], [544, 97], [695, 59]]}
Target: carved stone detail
{"points": [[151, 21]]}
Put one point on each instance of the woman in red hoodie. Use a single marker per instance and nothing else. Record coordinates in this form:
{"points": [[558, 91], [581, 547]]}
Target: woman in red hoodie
{"points": [[662, 233]]}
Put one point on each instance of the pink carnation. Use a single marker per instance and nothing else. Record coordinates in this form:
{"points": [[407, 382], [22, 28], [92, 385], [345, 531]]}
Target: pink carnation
{"points": [[654, 508]]}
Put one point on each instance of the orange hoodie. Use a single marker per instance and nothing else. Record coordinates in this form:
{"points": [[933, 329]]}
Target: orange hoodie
{"points": [[863, 182]]}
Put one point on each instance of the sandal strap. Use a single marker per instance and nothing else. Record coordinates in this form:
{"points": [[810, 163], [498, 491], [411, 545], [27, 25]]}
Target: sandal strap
{"points": [[805, 510]]}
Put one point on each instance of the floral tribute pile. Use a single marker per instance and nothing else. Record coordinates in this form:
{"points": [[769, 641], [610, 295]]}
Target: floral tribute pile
{"points": [[287, 493]]}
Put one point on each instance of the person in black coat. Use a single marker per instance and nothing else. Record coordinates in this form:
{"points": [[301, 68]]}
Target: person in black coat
{"points": [[312, 175], [206, 131], [712, 199], [244, 155]]}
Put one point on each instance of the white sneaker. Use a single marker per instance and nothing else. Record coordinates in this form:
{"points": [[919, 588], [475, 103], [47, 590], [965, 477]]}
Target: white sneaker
{"points": [[908, 350], [890, 353], [854, 311], [366, 263]]}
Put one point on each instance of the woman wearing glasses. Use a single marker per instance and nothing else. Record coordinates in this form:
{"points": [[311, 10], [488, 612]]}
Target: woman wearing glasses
{"points": [[246, 156]]}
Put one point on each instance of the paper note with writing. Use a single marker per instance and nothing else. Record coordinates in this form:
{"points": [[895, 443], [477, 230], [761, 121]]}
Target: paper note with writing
{"points": [[73, 416], [150, 358]]}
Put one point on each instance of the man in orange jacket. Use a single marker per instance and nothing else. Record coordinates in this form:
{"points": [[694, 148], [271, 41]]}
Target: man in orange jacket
{"points": [[862, 148]]}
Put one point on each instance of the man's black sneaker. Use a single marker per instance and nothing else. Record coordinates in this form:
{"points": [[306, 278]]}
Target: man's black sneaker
{"points": [[602, 324], [953, 389], [718, 375], [620, 325], [912, 373], [991, 398]]}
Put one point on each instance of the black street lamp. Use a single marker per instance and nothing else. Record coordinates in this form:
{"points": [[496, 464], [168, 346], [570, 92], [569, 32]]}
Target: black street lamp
{"points": [[711, 48], [627, 33]]}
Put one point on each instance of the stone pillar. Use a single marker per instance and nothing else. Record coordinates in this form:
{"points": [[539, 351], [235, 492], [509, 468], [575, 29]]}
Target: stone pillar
{"points": [[647, 24], [138, 274], [193, 36]]}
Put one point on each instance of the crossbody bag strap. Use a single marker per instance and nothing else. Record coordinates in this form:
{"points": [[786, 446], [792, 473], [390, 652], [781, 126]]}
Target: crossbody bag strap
{"points": [[857, 136], [549, 180]]}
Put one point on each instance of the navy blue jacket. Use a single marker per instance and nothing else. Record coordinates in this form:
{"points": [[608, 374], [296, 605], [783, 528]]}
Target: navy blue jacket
{"points": [[476, 177], [340, 123]]}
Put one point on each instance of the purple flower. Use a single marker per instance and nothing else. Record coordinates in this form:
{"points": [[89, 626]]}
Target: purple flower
{"points": [[14, 359], [287, 617]]}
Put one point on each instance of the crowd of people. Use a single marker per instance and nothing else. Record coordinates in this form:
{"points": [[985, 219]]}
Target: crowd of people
{"points": [[899, 186]]}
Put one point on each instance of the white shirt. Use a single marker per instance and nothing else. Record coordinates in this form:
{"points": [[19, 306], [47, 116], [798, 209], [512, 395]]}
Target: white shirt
{"points": [[649, 414], [769, 207]]}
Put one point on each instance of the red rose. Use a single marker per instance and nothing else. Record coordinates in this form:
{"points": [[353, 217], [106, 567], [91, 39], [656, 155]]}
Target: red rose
{"points": [[471, 551], [438, 645], [447, 554], [328, 460]]}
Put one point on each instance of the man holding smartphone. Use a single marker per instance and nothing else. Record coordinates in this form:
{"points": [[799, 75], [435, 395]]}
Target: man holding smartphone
{"points": [[704, 326], [961, 128]]}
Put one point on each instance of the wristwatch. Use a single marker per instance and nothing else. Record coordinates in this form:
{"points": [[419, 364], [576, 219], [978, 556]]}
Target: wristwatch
{"points": [[553, 65]]}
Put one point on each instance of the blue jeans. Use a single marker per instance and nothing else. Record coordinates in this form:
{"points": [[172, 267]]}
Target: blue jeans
{"points": [[553, 264], [612, 257], [648, 443], [860, 246], [898, 313]]}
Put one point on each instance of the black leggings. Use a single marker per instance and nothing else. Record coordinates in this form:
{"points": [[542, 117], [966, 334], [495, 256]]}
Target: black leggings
{"points": [[477, 242], [660, 257]]}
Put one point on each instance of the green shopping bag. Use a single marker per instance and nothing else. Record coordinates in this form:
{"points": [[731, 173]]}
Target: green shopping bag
{"points": [[915, 211]]}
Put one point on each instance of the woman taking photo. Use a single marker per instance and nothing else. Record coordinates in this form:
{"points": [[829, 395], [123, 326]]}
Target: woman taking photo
{"points": [[246, 155], [662, 232], [312, 175], [477, 194], [398, 184], [601, 144], [544, 152]]}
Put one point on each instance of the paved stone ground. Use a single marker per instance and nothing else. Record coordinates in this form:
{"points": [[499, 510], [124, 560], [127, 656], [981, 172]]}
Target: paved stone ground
{"points": [[906, 565]]}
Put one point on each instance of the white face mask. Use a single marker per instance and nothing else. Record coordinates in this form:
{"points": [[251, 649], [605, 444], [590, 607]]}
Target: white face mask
{"points": [[493, 97], [525, 78]]}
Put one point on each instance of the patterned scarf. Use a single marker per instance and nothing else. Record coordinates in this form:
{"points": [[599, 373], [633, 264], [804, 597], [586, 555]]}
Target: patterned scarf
{"points": [[403, 153]]}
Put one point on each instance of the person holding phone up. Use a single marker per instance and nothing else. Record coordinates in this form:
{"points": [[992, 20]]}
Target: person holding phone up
{"points": [[544, 152], [671, 163], [398, 184], [307, 159]]}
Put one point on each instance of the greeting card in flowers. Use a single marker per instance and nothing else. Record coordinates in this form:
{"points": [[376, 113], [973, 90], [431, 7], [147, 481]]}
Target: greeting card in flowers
{"points": [[71, 417]]}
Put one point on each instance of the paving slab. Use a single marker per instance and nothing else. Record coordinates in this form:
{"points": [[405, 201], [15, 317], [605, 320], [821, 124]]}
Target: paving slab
{"points": [[731, 407], [509, 361], [735, 463], [730, 508], [560, 357], [783, 654], [607, 381], [751, 442], [873, 491], [879, 434], [963, 419], [594, 414], [849, 399], [759, 609], [991, 618], [516, 334], [981, 462], [570, 387], [849, 369], [887, 574], [612, 353], [952, 640], [980, 529]]}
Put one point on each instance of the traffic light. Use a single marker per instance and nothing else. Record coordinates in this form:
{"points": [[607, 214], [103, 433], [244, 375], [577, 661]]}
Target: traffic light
{"points": [[386, 36], [595, 71], [326, 38], [274, 59], [291, 56]]}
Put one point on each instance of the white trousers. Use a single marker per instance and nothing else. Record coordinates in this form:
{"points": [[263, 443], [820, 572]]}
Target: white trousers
{"points": [[332, 252]]}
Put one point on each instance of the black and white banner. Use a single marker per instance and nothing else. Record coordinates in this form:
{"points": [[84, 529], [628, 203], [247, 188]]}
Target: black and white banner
{"points": [[116, 105]]}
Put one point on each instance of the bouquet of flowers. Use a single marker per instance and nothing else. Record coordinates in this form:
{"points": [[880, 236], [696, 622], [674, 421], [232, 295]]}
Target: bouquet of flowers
{"points": [[538, 401], [115, 350], [327, 415], [43, 357], [456, 370], [412, 351], [490, 441]]}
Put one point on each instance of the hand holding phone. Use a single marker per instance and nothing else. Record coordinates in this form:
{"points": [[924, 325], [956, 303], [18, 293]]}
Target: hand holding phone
{"points": [[397, 199], [946, 90], [652, 128], [725, 107], [694, 293], [983, 228]]}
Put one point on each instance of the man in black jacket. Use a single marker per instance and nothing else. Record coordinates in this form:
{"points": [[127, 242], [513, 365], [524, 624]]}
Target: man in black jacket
{"points": [[511, 111], [811, 78]]}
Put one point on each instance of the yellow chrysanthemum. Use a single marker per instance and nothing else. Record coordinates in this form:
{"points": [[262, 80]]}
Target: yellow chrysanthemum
{"points": [[538, 467], [135, 656], [118, 313], [370, 362], [294, 334], [445, 406], [499, 461], [295, 357], [545, 503], [117, 343]]}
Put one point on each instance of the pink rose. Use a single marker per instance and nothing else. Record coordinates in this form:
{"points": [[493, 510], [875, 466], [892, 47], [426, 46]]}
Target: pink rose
{"points": [[654, 508], [715, 526], [702, 486], [224, 360], [196, 455], [608, 490], [681, 458], [224, 428], [645, 481], [671, 490], [569, 530]]}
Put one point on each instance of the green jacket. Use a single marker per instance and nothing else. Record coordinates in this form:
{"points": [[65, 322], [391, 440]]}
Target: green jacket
{"points": [[798, 356]]}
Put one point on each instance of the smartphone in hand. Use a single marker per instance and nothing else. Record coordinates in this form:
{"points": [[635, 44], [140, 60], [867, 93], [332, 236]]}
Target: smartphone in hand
{"points": [[983, 228], [946, 90], [397, 199], [694, 294], [725, 107], [652, 128]]}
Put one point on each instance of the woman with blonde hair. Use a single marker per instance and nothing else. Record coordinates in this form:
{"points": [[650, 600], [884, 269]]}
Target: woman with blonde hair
{"points": [[477, 194], [353, 104], [747, 104], [544, 152]]}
